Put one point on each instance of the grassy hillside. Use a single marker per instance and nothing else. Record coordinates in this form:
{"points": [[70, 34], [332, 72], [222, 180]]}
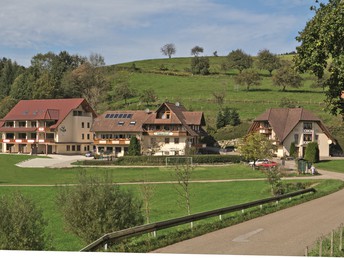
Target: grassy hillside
{"points": [[172, 81]]}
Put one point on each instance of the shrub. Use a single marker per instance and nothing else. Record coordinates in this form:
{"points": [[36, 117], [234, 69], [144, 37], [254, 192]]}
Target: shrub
{"points": [[22, 226], [312, 152], [96, 206]]}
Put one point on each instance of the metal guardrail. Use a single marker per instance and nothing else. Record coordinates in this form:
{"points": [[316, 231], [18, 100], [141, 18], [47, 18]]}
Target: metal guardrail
{"points": [[130, 232]]}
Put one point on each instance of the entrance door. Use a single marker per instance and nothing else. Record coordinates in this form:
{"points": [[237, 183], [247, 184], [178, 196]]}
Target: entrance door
{"points": [[50, 149]]}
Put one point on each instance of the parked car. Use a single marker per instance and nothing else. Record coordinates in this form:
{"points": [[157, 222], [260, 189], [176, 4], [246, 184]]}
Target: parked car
{"points": [[258, 162], [268, 164], [226, 150], [89, 154]]}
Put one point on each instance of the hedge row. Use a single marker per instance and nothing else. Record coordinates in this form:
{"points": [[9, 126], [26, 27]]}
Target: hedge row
{"points": [[161, 160]]}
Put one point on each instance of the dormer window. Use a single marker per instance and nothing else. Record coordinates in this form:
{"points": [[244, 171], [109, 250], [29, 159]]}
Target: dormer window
{"points": [[120, 123], [307, 126]]}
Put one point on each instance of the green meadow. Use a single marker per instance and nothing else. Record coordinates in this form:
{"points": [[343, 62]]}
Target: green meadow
{"points": [[171, 80], [165, 202]]}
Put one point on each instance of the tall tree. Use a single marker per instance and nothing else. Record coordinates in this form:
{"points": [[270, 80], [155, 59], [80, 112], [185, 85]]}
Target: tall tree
{"points": [[286, 76], [196, 50], [248, 78], [321, 41], [256, 146], [238, 59], [134, 148], [148, 96], [267, 61], [168, 50]]}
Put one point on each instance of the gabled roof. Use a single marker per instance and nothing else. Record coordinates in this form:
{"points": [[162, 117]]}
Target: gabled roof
{"points": [[178, 116], [129, 121], [284, 120], [45, 109]]}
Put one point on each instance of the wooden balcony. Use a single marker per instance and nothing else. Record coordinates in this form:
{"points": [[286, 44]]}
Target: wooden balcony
{"points": [[26, 141], [166, 133], [112, 141]]}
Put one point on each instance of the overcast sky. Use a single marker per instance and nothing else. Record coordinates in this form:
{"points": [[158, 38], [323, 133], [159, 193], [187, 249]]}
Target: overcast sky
{"points": [[129, 30]]}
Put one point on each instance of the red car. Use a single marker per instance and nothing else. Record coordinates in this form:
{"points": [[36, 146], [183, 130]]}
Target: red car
{"points": [[267, 164]]}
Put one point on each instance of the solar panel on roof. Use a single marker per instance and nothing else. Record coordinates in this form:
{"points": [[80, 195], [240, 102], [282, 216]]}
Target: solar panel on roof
{"points": [[129, 115], [107, 115], [124, 115], [111, 116], [120, 116], [116, 115]]}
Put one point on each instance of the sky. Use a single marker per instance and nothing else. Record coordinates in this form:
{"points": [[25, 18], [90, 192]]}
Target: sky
{"points": [[130, 30]]}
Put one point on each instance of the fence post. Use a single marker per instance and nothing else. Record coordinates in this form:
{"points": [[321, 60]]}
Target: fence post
{"points": [[332, 236], [105, 246], [341, 238], [320, 246], [220, 216], [306, 251]]}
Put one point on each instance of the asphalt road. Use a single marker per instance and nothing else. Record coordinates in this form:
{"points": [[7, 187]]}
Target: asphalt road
{"points": [[286, 233]]}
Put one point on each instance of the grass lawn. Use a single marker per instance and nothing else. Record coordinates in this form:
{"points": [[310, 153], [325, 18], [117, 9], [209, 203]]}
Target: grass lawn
{"points": [[11, 174], [331, 165], [165, 203]]}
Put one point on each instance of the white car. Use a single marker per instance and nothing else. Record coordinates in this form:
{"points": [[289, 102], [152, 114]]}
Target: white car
{"points": [[258, 162]]}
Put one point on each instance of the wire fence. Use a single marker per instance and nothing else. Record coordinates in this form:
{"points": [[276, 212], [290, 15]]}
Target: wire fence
{"points": [[329, 246]]}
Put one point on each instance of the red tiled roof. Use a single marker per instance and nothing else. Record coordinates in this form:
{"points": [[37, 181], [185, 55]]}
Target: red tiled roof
{"points": [[45, 109]]}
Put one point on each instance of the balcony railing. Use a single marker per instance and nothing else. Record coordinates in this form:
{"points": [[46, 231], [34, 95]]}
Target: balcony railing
{"points": [[166, 133], [123, 141], [27, 141]]}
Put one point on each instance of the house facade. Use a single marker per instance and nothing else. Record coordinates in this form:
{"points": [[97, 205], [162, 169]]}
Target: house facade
{"points": [[298, 126], [48, 126], [169, 130]]}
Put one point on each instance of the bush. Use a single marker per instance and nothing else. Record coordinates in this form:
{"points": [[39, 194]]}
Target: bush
{"points": [[96, 206], [312, 152], [161, 160], [22, 226]]}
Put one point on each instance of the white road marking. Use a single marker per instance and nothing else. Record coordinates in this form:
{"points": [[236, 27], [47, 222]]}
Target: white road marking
{"points": [[244, 238]]}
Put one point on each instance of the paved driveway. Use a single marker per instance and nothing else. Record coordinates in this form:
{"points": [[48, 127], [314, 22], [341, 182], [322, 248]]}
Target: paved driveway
{"points": [[52, 161]]}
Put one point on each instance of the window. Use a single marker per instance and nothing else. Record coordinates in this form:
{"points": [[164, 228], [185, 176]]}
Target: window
{"points": [[153, 141], [73, 147], [307, 137], [68, 147], [176, 140], [22, 124], [296, 138], [82, 136], [82, 125], [307, 126], [88, 136], [132, 123], [88, 125], [33, 124], [77, 113], [78, 147], [120, 123], [167, 140]]}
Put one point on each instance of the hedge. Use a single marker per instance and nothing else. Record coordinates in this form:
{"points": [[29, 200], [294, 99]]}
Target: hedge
{"points": [[161, 160]]}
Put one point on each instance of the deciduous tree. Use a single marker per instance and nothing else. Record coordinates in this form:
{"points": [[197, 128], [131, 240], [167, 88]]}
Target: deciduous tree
{"points": [[286, 76], [200, 65], [196, 50], [267, 61], [256, 146], [238, 59], [248, 78], [148, 96], [96, 206], [322, 41], [22, 225], [168, 50]]}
